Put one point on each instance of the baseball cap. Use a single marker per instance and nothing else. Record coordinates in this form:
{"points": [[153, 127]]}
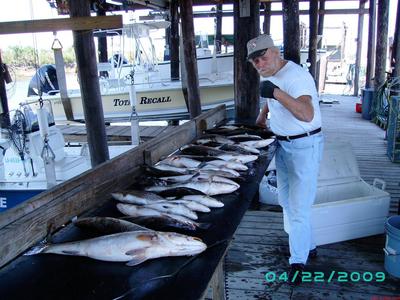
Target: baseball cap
{"points": [[257, 46]]}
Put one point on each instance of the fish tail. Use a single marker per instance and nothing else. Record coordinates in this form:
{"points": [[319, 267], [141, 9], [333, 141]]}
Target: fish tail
{"points": [[203, 225], [37, 249]]}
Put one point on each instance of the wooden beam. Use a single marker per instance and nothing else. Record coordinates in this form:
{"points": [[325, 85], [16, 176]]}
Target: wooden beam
{"points": [[246, 79], [102, 45], [371, 44], [267, 18], [312, 48], [291, 30], [360, 30], [218, 28], [174, 39], [381, 43], [190, 60], [76, 23], [85, 54]]}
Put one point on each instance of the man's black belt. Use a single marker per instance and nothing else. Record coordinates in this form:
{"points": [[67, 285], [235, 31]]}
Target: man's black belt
{"points": [[293, 137]]}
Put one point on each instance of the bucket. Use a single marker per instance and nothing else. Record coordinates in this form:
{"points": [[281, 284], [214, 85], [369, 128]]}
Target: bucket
{"points": [[392, 246]]}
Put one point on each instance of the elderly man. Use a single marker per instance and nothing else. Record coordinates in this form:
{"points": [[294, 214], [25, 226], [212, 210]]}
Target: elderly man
{"points": [[295, 118]]}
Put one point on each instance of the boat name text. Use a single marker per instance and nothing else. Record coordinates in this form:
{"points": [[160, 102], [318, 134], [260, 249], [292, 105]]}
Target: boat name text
{"points": [[143, 100]]}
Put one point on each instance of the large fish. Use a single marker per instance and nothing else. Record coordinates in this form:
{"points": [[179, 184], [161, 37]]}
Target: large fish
{"points": [[173, 208], [133, 247], [244, 137], [205, 186], [155, 210], [106, 225], [163, 222], [137, 197], [239, 148], [215, 139], [229, 164], [193, 205], [180, 162], [136, 212], [258, 144], [205, 200], [243, 158]]}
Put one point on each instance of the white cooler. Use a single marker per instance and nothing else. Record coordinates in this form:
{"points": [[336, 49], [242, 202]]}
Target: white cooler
{"points": [[346, 207]]}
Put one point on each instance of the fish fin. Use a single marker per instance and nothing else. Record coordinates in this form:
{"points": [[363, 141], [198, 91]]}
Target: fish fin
{"points": [[70, 252], [136, 261], [37, 249], [203, 225]]}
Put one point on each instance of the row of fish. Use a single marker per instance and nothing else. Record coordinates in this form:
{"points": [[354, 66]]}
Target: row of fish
{"points": [[177, 189]]}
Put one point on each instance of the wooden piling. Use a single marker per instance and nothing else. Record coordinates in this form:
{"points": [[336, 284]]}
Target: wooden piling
{"points": [[291, 30], [371, 44], [246, 78], [89, 84], [190, 59]]}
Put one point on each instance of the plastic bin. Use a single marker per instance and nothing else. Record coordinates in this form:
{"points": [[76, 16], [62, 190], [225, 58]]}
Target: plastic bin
{"points": [[366, 104]]}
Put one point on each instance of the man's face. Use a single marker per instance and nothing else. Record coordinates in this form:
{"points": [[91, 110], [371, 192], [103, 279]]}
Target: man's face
{"points": [[266, 64]]}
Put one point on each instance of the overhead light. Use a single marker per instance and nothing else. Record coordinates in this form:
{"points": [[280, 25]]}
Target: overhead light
{"points": [[113, 2]]}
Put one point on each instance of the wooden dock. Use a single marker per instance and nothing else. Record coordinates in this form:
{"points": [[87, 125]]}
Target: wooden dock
{"points": [[260, 245]]}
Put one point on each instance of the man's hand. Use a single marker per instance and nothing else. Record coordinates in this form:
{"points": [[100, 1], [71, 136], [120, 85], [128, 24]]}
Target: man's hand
{"points": [[267, 89]]}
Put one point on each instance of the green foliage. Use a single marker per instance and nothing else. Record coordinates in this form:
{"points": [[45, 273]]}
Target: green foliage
{"points": [[24, 56]]}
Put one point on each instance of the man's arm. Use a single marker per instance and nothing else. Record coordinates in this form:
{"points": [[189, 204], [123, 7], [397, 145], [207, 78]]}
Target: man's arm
{"points": [[300, 107], [262, 116]]}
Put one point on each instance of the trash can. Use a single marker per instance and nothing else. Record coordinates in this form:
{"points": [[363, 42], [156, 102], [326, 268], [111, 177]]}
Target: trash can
{"points": [[367, 100], [392, 246]]}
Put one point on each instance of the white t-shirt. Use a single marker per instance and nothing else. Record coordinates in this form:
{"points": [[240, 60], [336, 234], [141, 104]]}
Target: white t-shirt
{"points": [[295, 81]]}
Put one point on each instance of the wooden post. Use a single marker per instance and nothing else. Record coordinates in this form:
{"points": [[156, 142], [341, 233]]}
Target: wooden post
{"points": [[396, 48], [312, 45], [246, 79], [174, 40], [4, 116], [102, 45], [89, 85], [291, 30], [359, 48], [371, 44], [320, 78], [267, 18], [218, 28], [381, 43], [190, 60]]}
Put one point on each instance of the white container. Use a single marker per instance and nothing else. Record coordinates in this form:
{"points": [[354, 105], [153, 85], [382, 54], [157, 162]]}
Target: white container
{"points": [[346, 207]]}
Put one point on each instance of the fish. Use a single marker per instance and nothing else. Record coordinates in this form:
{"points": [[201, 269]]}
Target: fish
{"points": [[214, 139], [193, 205], [172, 208], [244, 137], [239, 148], [106, 225], [133, 247], [148, 210], [165, 167], [152, 171], [136, 197], [180, 162], [204, 186], [228, 164], [163, 221], [136, 212], [220, 171], [243, 158], [201, 150], [203, 199], [258, 144]]}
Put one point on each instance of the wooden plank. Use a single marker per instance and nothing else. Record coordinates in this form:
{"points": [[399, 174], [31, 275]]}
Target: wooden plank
{"points": [[218, 281], [26, 224], [166, 144], [218, 28], [85, 53], [74, 23]]}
